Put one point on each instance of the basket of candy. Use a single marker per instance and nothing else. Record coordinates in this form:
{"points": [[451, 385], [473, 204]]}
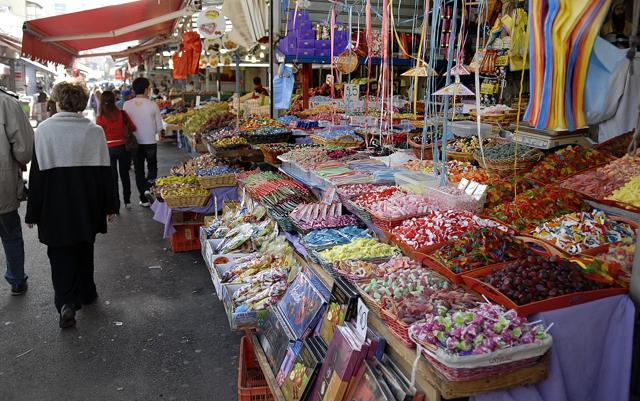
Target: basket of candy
{"points": [[391, 212], [185, 197], [504, 158], [401, 310], [480, 342], [218, 176]]}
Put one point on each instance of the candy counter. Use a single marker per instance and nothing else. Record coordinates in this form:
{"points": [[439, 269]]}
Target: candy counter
{"points": [[367, 218]]}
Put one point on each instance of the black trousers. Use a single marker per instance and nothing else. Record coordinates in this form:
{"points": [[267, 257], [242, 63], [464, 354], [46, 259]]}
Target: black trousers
{"points": [[148, 153], [72, 274], [121, 159]]}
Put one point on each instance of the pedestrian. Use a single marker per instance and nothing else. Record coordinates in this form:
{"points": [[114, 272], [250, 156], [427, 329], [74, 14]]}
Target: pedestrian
{"points": [[16, 148], [145, 115], [125, 95], [71, 197], [40, 106], [94, 102], [115, 124]]}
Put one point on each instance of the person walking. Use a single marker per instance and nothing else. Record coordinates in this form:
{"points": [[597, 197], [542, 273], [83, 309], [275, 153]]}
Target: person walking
{"points": [[71, 197], [16, 148], [115, 124], [94, 102], [145, 115]]}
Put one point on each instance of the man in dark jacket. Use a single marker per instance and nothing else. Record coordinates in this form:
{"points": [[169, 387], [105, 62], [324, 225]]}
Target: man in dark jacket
{"points": [[16, 148]]}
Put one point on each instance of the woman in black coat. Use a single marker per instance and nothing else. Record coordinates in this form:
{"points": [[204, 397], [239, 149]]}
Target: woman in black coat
{"points": [[71, 196]]}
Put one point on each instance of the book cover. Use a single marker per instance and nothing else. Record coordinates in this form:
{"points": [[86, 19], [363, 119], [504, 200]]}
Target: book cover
{"points": [[302, 306], [368, 387], [340, 364], [300, 379], [275, 338]]}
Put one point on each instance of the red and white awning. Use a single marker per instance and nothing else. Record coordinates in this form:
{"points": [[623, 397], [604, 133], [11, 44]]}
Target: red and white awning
{"points": [[60, 39]]}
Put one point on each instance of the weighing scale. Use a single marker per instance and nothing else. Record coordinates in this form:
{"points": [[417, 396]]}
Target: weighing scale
{"points": [[547, 139]]}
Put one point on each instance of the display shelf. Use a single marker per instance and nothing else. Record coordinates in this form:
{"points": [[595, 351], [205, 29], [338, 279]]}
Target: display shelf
{"points": [[361, 60], [266, 368], [428, 379]]}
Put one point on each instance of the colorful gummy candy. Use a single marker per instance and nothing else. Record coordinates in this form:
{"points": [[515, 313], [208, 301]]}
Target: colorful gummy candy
{"points": [[480, 247], [567, 161], [535, 206]]}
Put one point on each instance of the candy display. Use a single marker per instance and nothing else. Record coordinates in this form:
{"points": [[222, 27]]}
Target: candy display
{"points": [[354, 190], [480, 247], [261, 294], [333, 236], [403, 205], [629, 193], [480, 330], [400, 283], [532, 207], [577, 232], [603, 181], [468, 145], [438, 227], [507, 151], [255, 123], [230, 142], [183, 191], [566, 162], [329, 222], [368, 199], [536, 278], [360, 248], [216, 171]]}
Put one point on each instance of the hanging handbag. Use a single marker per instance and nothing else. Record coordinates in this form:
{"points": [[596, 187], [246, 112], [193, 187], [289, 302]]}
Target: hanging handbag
{"points": [[130, 140]]}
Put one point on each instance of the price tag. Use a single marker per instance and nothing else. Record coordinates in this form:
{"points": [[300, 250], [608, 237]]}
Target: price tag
{"points": [[361, 321], [351, 93], [471, 188], [197, 101], [464, 183], [329, 195], [480, 190]]}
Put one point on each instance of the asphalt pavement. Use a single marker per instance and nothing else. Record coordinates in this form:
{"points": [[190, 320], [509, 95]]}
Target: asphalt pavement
{"points": [[157, 332]]}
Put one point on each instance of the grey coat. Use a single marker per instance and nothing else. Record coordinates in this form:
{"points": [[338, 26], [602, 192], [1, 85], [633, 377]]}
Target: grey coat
{"points": [[16, 149]]}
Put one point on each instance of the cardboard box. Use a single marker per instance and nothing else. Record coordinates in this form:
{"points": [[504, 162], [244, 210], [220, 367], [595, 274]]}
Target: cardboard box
{"points": [[323, 44], [305, 32], [306, 43], [240, 320], [305, 52]]}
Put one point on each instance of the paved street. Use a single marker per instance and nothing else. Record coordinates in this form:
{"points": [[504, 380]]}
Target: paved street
{"points": [[155, 334]]}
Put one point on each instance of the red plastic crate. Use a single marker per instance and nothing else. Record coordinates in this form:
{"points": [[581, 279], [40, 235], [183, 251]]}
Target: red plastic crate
{"points": [[252, 386], [186, 238]]}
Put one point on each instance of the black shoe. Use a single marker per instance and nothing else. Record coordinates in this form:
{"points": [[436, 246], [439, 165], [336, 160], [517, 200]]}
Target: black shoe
{"points": [[67, 316], [91, 300], [19, 289]]}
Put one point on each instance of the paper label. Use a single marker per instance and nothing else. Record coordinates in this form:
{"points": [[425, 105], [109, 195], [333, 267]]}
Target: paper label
{"points": [[464, 183], [361, 321], [351, 93]]}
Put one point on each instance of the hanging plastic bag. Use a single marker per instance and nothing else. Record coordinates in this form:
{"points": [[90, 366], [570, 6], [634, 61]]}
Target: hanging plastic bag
{"points": [[283, 88]]}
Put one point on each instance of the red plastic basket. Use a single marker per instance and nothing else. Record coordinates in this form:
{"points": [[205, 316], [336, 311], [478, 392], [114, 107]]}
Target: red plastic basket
{"points": [[252, 386], [186, 238], [417, 254], [473, 280]]}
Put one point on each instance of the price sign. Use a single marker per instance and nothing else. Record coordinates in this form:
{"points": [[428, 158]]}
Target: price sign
{"points": [[351, 93], [329, 196], [361, 321]]}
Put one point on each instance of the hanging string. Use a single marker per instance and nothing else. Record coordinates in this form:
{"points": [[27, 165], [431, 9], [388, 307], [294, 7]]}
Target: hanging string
{"points": [[481, 10], [517, 130], [445, 134], [430, 107]]}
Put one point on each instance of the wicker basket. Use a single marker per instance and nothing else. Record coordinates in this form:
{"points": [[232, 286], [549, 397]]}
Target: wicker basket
{"points": [[275, 138], [460, 156], [397, 326], [270, 156], [371, 303], [215, 181], [428, 149], [189, 201], [506, 166], [351, 143]]}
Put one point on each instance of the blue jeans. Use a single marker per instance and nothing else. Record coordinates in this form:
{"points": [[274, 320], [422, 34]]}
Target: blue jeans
{"points": [[11, 235]]}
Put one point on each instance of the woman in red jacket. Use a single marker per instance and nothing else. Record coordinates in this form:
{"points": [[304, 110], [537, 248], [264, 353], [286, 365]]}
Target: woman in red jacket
{"points": [[112, 120]]}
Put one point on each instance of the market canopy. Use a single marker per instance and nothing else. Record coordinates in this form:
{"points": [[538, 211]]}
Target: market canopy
{"points": [[60, 39]]}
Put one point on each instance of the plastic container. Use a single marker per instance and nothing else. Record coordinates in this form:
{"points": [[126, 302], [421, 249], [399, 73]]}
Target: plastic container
{"points": [[415, 182], [465, 129], [444, 200], [252, 385], [186, 238]]}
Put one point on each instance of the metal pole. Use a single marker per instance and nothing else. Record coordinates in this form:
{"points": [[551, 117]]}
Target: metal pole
{"points": [[237, 60], [271, 58], [218, 82]]}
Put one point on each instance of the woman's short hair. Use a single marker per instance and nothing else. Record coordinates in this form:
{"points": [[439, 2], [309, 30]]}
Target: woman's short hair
{"points": [[72, 96]]}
